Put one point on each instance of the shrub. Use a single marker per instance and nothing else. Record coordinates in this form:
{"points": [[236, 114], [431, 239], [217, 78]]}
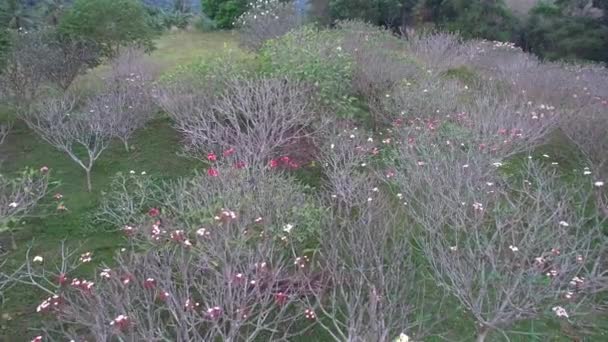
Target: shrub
{"points": [[316, 57], [255, 118], [378, 63], [127, 97], [508, 246], [237, 271], [18, 197], [439, 51], [425, 95], [266, 20]]}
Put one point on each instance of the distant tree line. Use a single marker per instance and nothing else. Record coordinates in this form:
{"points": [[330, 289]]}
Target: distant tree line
{"points": [[558, 29]]}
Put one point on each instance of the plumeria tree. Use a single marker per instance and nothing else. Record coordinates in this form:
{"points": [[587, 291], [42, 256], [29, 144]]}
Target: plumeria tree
{"points": [[126, 101], [373, 286], [509, 242], [257, 117], [82, 132], [19, 195], [226, 262], [265, 20]]}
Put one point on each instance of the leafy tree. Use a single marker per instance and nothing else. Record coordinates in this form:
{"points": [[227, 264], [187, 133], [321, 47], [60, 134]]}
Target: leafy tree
{"points": [[553, 33], [109, 23], [489, 19], [52, 10], [15, 15], [384, 12], [224, 12]]}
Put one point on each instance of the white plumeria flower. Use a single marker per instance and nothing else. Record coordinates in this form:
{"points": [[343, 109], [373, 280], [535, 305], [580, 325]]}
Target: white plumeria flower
{"points": [[132, 172], [13, 204], [402, 338], [564, 223], [513, 248], [497, 164], [599, 184], [287, 228], [560, 312], [399, 196], [586, 172], [38, 258], [369, 199], [143, 173], [375, 190], [546, 155], [465, 166]]}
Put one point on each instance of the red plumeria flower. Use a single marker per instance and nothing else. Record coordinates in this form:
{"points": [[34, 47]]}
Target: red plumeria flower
{"points": [[211, 157], [37, 339], [128, 230], [44, 169], [150, 283], [239, 279], [229, 152], [191, 305], [214, 312], [126, 279], [153, 212], [274, 163], [121, 322], [281, 298], [213, 172], [163, 295], [178, 236]]}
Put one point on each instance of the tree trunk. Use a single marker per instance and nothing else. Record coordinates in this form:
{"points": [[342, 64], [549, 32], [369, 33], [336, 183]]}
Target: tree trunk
{"points": [[482, 334], [89, 186], [126, 143]]}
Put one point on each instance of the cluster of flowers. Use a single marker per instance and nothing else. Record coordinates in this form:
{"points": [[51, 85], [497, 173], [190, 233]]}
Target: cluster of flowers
{"points": [[212, 157], [283, 162], [259, 10], [49, 304]]}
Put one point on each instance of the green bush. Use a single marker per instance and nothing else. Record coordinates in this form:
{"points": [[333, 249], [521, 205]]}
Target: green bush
{"points": [[226, 65], [224, 12], [315, 56]]}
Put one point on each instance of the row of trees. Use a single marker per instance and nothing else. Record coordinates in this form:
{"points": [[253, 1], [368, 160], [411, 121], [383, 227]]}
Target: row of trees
{"points": [[553, 30], [444, 188]]}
